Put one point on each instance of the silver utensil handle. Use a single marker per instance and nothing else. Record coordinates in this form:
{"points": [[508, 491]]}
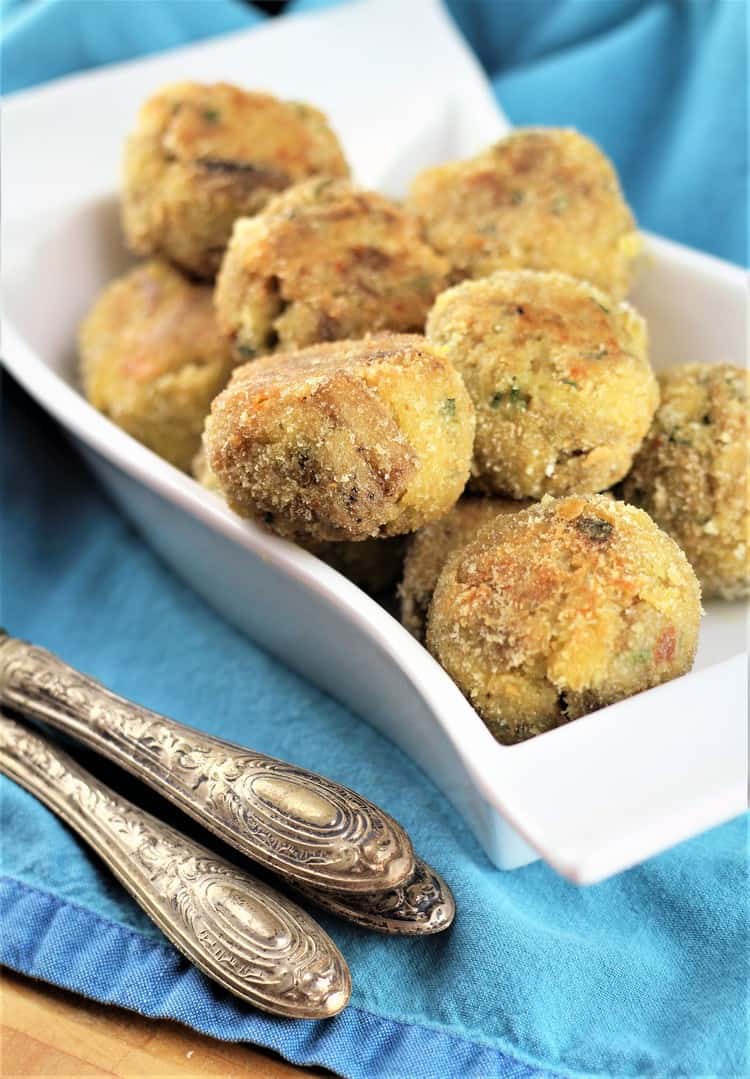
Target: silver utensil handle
{"points": [[423, 905], [253, 941], [297, 823]]}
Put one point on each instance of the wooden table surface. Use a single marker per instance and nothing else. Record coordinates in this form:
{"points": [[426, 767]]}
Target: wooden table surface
{"points": [[46, 1032]]}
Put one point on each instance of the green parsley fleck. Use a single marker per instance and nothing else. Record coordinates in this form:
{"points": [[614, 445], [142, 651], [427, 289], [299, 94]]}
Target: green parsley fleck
{"points": [[570, 382], [448, 408], [211, 116], [639, 656], [422, 283], [518, 397], [247, 351], [321, 186], [516, 197], [559, 204], [515, 396], [602, 307]]}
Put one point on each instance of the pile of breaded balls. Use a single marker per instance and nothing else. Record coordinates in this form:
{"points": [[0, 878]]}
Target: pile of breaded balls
{"points": [[458, 375]]}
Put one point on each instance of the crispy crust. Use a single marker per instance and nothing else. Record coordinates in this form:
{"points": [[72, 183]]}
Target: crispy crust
{"points": [[343, 440], [542, 199], [372, 564], [325, 261], [203, 155], [559, 376], [560, 609], [430, 547], [693, 470], [152, 359]]}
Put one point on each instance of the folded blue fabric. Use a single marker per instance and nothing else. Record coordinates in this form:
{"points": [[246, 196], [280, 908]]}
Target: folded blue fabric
{"points": [[644, 975]]}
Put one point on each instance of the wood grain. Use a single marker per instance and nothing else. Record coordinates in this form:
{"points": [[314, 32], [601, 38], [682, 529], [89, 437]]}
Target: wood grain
{"points": [[50, 1034]]}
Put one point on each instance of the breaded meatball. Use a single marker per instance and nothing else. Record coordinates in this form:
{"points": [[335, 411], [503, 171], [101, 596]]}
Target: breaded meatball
{"points": [[430, 547], [692, 472], [540, 199], [372, 564], [152, 358], [344, 440], [559, 377], [562, 608], [324, 262], [203, 155]]}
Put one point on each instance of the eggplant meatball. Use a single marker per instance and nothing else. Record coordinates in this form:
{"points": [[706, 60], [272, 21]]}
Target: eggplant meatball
{"points": [[692, 472], [152, 358], [430, 547], [540, 199], [203, 155], [563, 608], [324, 262], [344, 440], [372, 564], [559, 377]]}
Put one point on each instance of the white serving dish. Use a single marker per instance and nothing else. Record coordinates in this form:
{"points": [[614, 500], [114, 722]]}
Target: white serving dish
{"points": [[592, 797]]}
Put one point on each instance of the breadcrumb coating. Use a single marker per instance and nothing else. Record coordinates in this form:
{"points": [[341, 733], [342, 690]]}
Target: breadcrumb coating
{"points": [[429, 548], [203, 155], [540, 199], [560, 609], [693, 470], [152, 358], [324, 262], [344, 440], [559, 376], [372, 564]]}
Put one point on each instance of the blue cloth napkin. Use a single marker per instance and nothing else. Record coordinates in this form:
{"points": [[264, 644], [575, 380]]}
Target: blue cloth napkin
{"points": [[643, 975]]}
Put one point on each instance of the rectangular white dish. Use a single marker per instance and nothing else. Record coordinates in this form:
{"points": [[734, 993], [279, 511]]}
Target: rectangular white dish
{"points": [[592, 797]]}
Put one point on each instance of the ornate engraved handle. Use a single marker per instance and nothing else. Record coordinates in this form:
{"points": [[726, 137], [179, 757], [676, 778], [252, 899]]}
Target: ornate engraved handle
{"points": [[249, 938], [422, 905], [299, 824]]}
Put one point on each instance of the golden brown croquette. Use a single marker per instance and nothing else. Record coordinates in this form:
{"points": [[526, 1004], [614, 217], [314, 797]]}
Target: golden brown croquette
{"points": [[559, 376], [324, 262], [152, 358], [372, 564], [540, 199], [692, 472], [343, 440], [203, 155], [429, 548], [562, 608]]}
